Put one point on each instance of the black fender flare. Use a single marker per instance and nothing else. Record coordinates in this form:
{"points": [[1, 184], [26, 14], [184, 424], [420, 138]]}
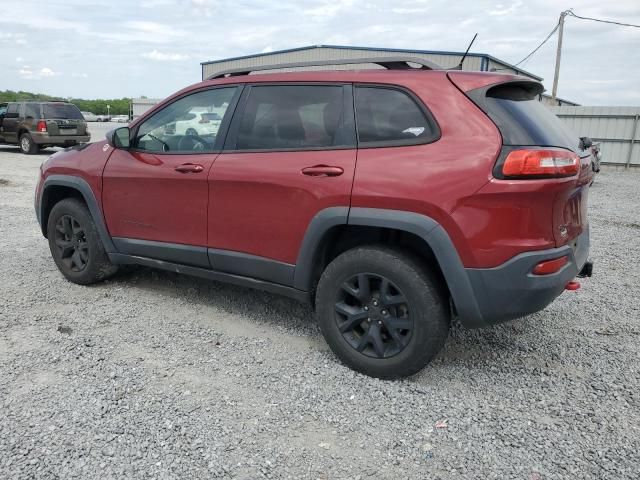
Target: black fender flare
{"points": [[80, 185], [426, 228]]}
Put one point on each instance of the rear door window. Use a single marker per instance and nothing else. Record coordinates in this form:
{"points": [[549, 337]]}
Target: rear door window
{"points": [[389, 116], [295, 117], [32, 110], [64, 111]]}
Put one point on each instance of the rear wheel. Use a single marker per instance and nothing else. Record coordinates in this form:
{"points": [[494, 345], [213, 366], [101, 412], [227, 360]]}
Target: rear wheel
{"points": [[27, 145], [381, 312], [75, 245]]}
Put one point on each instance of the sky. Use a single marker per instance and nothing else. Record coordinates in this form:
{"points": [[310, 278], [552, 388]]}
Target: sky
{"points": [[130, 48]]}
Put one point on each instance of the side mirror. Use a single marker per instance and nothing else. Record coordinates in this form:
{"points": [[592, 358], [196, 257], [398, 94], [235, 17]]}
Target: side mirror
{"points": [[119, 138]]}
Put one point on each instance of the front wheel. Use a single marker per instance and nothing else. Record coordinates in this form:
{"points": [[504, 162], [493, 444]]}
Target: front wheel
{"points": [[381, 312], [75, 245]]}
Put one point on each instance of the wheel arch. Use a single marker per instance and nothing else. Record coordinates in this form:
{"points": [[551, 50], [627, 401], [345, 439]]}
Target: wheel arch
{"points": [[418, 233], [58, 187]]}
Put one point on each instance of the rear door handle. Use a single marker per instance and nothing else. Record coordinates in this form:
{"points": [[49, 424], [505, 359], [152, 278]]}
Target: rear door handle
{"points": [[322, 170], [189, 168]]}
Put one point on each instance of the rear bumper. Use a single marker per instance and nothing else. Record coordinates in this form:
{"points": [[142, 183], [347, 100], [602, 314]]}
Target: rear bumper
{"points": [[511, 290], [43, 138]]}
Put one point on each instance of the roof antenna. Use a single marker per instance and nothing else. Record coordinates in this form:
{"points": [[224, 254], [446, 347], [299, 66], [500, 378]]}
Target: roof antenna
{"points": [[459, 67]]}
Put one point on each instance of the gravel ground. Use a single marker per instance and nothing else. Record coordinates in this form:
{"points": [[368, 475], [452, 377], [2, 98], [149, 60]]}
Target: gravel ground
{"points": [[155, 375]]}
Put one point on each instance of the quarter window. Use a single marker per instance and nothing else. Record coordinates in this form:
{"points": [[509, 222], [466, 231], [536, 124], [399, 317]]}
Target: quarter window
{"points": [[391, 116], [188, 125], [290, 117]]}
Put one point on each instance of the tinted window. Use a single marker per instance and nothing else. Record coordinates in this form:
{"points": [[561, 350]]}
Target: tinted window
{"points": [[32, 110], [523, 120], [61, 110], [390, 116], [190, 124], [293, 117], [12, 108]]}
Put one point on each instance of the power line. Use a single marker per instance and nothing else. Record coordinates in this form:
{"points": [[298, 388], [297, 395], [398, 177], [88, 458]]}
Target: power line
{"points": [[569, 12], [539, 46]]}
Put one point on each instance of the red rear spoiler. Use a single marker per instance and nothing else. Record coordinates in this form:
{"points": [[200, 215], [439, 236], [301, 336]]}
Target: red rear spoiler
{"points": [[467, 81]]}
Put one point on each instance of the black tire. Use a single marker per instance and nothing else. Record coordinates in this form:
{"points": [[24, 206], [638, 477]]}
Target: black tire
{"points": [[412, 301], [75, 245], [27, 144]]}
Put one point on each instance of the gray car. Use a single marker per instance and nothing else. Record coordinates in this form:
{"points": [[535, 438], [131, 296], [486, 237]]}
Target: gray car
{"points": [[36, 125]]}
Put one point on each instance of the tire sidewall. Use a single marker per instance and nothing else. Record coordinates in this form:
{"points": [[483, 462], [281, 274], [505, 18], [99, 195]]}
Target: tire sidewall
{"points": [[30, 150], [427, 308]]}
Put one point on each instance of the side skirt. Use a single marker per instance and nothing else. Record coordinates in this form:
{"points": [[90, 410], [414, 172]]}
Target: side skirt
{"points": [[299, 295]]}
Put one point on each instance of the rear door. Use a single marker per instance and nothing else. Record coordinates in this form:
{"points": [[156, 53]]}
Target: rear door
{"points": [[155, 194], [290, 153]]}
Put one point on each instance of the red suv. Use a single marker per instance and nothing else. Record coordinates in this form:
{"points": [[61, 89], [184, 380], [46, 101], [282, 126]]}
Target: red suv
{"points": [[392, 199]]}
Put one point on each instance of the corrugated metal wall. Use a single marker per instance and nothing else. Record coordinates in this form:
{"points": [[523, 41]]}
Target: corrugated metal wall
{"points": [[313, 54], [616, 128]]}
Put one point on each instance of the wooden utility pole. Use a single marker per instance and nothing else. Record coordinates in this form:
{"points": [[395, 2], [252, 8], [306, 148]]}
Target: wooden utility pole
{"points": [[554, 91]]}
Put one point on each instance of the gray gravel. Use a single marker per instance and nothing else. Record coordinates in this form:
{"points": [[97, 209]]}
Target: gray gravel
{"points": [[155, 375]]}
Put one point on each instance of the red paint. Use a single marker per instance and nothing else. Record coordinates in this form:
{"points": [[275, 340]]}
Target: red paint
{"points": [[145, 197], [262, 203]]}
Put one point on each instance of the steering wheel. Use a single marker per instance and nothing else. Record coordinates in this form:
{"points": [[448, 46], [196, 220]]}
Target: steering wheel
{"points": [[194, 143]]}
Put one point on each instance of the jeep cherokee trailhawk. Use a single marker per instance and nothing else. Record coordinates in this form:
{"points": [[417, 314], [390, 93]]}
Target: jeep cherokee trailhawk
{"points": [[393, 199]]}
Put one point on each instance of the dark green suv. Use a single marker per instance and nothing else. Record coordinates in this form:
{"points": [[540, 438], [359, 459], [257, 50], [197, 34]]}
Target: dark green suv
{"points": [[36, 125]]}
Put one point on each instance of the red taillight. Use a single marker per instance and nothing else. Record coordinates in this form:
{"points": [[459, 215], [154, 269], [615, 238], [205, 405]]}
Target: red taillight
{"points": [[550, 266], [541, 163], [42, 126]]}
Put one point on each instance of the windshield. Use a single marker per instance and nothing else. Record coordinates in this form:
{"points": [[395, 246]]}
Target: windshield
{"points": [[62, 110]]}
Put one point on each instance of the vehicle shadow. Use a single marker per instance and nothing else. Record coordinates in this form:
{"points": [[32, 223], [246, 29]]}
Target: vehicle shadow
{"points": [[261, 307], [464, 347], [12, 149]]}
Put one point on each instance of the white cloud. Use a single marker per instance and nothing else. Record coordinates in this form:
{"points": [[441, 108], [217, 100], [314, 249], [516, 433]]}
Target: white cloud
{"points": [[19, 59], [79, 75], [165, 57], [501, 9], [328, 9], [29, 73]]}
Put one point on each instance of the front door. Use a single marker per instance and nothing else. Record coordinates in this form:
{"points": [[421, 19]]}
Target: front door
{"points": [[290, 153], [155, 194], [10, 123]]}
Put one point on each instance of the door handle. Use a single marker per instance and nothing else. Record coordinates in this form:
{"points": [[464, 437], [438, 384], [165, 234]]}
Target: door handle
{"points": [[189, 168], [322, 171]]}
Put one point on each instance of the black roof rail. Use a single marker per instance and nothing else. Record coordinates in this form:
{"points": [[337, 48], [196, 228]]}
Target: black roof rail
{"points": [[390, 63]]}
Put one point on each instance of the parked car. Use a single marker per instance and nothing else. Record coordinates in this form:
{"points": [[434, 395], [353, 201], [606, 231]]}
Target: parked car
{"points": [[204, 124], [36, 125], [103, 118], [120, 118], [468, 200], [90, 117]]}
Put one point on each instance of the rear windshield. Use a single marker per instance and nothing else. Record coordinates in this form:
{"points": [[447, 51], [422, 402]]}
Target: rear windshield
{"points": [[523, 119], [62, 110]]}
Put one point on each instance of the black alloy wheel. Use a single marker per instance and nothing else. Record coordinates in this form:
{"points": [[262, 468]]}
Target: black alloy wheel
{"points": [[382, 310], [373, 315], [71, 241]]}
